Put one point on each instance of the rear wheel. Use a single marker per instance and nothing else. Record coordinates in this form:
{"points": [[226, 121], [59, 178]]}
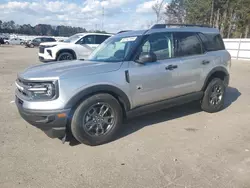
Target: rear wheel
{"points": [[7, 43], [213, 100], [97, 120], [65, 56]]}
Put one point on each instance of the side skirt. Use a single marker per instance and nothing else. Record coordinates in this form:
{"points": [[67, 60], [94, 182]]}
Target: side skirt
{"points": [[153, 107]]}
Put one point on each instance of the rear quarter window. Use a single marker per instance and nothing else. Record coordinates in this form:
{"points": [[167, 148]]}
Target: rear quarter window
{"points": [[212, 42]]}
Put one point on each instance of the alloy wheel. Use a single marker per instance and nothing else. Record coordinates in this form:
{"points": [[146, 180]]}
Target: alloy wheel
{"points": [[99, 119]]}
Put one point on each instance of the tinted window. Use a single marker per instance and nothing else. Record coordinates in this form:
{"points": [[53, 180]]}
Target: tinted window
{"points": [[37, 40], [90, 39], [160, 44], [50, 39], [186, 44], [101, 38], [212, 42]]}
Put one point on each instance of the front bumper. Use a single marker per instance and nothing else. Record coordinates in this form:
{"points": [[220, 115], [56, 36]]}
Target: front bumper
{"points": [[45, 60], [53, 123]]}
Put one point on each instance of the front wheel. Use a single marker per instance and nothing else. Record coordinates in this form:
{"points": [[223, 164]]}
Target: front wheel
{"points": [[65, 56], [213, 100], [97, 120]]}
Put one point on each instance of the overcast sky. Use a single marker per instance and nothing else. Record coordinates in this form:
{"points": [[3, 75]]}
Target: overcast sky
{"points": [[118, 14]]}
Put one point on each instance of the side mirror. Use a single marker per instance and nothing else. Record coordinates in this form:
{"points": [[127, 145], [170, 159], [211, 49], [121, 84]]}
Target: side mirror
{"points": [[147, 58]]}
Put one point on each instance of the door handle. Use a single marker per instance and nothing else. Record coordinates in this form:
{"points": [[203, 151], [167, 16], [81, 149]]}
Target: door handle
{"points": [[205, 62], [171, 67]]}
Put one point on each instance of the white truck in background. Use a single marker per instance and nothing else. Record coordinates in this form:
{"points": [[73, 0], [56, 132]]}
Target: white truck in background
{"points": [[78, 46]]}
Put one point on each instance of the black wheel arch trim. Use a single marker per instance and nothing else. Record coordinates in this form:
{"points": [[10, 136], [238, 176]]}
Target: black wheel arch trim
{"points": [[214, 70], [66, 50], [118, 93]]}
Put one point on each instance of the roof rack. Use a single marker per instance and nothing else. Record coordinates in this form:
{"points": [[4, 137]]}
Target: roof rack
{"points": [[161, 26]]}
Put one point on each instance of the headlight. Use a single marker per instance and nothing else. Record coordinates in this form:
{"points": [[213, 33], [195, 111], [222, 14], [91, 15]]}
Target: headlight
{"points": [[42, 91]]}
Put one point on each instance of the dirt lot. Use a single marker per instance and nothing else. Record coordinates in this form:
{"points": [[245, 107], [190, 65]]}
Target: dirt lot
{"points": [[182, 147]]}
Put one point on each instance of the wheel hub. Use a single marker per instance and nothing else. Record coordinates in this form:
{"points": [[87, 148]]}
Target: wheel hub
{"points": [[99, 119], [216, 95]]}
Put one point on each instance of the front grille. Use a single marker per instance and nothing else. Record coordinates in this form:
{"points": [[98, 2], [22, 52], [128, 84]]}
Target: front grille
{"points": [[41, 49]]}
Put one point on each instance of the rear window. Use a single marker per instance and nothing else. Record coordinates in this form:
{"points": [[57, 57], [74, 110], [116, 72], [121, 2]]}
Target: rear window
{"points": [[212, 42]]}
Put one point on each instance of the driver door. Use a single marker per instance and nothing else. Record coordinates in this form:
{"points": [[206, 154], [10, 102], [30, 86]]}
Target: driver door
{"points": [[149, 82]]}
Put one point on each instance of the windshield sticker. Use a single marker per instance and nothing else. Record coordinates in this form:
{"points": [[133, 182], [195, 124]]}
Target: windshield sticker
{"points": [[128, 39]]}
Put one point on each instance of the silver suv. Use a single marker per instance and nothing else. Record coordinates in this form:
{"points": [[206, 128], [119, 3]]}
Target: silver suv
{"points": [[129, 74]]}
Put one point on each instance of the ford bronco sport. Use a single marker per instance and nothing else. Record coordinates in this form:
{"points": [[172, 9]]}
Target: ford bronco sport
{"points": [[130, 73]]}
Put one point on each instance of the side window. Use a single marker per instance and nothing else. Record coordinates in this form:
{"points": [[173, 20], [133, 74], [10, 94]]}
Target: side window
{"points": [[37, 40], [158, 43], [186, 44], [101, 38], [212, 42], [51, 39], [90, 39]]}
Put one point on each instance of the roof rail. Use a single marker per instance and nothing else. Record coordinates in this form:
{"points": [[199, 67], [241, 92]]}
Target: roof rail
{"points": [[124, 31], [161, 26]]}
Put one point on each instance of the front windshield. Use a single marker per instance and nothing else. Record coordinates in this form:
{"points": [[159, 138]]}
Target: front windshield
{"points": [[73, 38], [114, 49]]}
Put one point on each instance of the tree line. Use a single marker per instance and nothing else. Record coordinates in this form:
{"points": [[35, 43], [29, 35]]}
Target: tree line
{"points": [[232, 17], [41, 29]]}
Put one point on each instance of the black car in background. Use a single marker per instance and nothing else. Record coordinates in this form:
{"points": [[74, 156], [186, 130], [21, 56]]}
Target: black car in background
{"points": [[37, 41], [1, 41]]}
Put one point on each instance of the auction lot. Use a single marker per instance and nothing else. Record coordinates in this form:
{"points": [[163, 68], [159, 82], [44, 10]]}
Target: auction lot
{"points": [[181, 147]]}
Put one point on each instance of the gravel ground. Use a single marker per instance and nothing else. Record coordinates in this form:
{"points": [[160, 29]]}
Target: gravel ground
{"points": [[181, 147]]}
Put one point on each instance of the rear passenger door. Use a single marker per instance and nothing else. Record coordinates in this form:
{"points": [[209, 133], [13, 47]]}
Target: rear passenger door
{"points": [[189, 50]]}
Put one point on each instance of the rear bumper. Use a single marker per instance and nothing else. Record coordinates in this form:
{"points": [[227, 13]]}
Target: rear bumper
{"points": [[53, 123]]}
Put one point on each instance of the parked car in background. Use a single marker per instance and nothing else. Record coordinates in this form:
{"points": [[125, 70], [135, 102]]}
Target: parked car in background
{"points": [[37, 41], [1, 41], [15, 41], [78, 46]]}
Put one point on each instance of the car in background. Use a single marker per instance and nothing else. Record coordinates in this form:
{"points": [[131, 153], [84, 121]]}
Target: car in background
{"points": [[15, 41], [1, 41], [37, 41], [78, 46]]}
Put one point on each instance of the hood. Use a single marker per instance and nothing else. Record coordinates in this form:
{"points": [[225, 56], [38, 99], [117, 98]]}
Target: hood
{"points": [[52, 43], [67, 69]]}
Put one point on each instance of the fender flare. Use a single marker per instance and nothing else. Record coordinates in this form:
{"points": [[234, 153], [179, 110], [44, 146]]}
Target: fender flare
{"points": [[216, 69], [116, 92]]}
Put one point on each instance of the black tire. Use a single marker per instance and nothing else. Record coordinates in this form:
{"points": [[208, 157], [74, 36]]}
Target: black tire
{"points": [[79, 127], [65, 56], [7, 43], [208, 104], [22, 43], [31, 46]]}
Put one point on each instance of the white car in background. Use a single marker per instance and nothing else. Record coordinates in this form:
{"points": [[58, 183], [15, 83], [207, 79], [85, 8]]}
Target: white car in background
{"points": [[78, 46], [15, 41]]}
